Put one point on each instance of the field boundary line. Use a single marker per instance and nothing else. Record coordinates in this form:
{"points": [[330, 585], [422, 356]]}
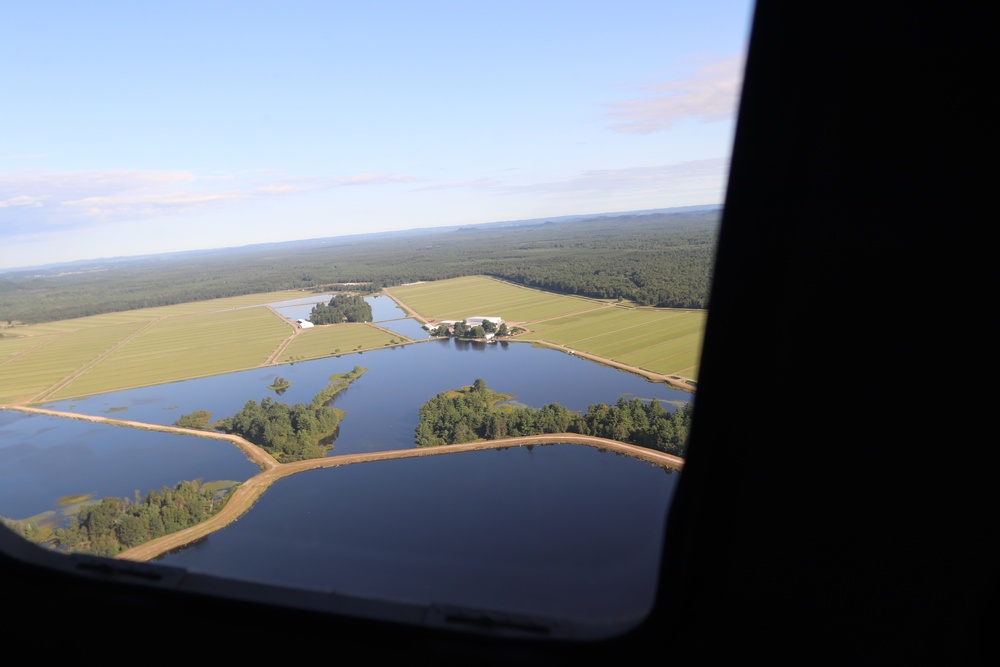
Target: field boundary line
{"points": [[82, 370], [296, 330], [46, 340], [250, 491]]}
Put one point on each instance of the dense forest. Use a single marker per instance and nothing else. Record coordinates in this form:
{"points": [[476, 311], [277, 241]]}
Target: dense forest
{"points": [[111, 526], [290, 433], [658, 259], [342, 308], [478, 413]]}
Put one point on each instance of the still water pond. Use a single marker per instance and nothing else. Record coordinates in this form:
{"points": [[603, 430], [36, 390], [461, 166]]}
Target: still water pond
{"points": [[45, 458], [385, 313], [560, 531], [381, 406]]}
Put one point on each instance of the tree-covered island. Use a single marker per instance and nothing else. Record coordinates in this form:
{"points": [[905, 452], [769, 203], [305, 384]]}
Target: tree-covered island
{"points": [[288, 433], [479, 413], [342, 308], [279, 385]]}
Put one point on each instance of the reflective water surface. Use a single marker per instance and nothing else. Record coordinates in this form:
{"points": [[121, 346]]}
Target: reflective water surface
{"points": [[562, 532], [567, 533]]}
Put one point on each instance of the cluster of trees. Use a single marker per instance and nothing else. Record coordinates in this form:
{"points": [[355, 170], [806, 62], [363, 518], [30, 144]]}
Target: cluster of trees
{"points": [[288, 433], [662, 259], [113, 525], [342, 308], [291, 433], [464, 330], [280, 385], [647, 424], [476, 413]]}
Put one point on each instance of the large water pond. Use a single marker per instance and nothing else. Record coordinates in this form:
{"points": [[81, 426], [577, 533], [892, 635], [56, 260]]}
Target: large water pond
{"points": [[564, 533], [43, 459], [385, 313], [381, 406], [558, 531]]}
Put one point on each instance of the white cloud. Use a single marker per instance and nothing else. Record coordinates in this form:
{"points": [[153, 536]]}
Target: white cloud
{"points": [[35, 201], [23, 200], [60, 200], [372, 179], [279, 189], [695, 176], [479, 183], [710, 94]]}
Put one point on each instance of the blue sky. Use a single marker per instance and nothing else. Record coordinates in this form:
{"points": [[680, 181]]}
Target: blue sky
{"points": [[138, 127]]}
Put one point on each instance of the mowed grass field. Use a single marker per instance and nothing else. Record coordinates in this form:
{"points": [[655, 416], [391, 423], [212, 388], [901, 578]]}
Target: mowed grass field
{"points": [[102, 353], [337, 339], [54, 356], [175, 348], [472, 296], [113, 351], [661, 341]]}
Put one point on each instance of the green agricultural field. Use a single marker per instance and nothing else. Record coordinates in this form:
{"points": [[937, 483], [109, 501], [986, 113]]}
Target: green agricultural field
{"points": [[11, 346], [102, 353], [113, 351], [660, 341], [333, 339], [227, 303], [68, 326], [55, 357], [186, 346], [459, 298]]}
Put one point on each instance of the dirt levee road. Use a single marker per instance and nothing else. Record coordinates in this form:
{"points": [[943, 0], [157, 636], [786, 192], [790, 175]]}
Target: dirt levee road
{"points": [[247, 493]]}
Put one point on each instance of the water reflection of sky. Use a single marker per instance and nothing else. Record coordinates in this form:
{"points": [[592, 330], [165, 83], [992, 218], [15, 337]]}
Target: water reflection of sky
{"points": [[381, 408], [43, 458], [562, 532], [385, 313]]}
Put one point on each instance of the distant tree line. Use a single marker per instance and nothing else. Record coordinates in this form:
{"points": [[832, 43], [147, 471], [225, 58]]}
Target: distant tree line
{"points": [[477, 413], [111, 526], [342, 308], [661, 259]]}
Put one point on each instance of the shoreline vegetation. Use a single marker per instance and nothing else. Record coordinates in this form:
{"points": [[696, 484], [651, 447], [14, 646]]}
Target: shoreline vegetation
{"points": [[288, 433], [473, 417], [284, 440], [60, 358], [110, 526], [130, 529], [241, 496], [476, 412]]}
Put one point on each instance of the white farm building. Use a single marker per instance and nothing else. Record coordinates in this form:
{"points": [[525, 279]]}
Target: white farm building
{"points": [[469, 321]]}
